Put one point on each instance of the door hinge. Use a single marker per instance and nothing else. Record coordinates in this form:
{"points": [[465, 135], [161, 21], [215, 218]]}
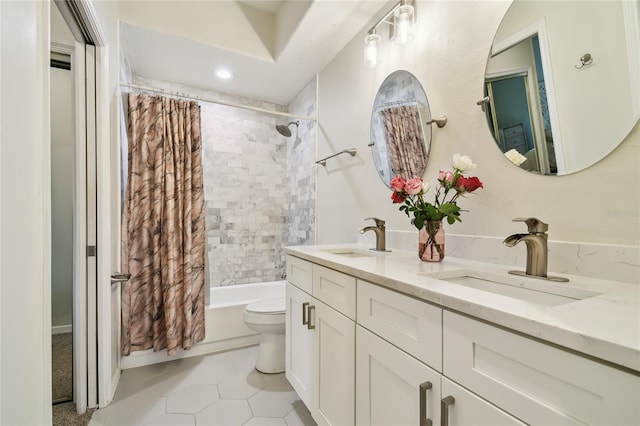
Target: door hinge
{"points": [[91, 251]]}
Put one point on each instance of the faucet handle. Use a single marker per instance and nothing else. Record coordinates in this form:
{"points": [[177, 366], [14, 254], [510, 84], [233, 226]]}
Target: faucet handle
{"points": [[536, 226], [379, 222]]}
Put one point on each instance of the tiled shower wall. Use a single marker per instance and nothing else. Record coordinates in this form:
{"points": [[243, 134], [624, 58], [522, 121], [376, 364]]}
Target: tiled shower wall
{"points": [[301, 169], [259, 186]]}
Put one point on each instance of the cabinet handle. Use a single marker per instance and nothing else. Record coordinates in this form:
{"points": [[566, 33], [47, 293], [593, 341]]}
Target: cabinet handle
{"points": [[309, 326], [424, 420], [444, 409], [305, 320]]}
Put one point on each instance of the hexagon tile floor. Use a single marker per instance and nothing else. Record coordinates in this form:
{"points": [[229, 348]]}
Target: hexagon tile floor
{"points": [[217, 389]]}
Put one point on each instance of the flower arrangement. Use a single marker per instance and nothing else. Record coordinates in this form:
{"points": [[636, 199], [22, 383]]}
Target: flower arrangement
{"points": [[453, 185]]}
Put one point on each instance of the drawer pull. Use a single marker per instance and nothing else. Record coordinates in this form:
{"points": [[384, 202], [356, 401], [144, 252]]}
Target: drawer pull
{"points": [[444, 409], [424, 420], [305, 320], [309, 326]]}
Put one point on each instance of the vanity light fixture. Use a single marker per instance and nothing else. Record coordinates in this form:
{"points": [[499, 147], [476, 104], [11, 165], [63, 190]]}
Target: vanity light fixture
{"points": [[371, 50], [399, 30]]}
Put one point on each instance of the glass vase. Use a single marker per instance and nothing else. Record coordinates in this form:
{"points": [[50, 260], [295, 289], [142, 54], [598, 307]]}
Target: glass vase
{"points": [[431, 242]]}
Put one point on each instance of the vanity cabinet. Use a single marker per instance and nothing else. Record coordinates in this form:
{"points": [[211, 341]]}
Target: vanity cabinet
{"points": [[320, 340], [418, 363]]}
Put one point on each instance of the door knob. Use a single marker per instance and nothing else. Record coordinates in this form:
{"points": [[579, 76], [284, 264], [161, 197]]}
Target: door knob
{"points": [[119, 277]]}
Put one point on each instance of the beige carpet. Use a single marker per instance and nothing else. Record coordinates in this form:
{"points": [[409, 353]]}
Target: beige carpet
{"points": [[62, 367], [65, 415]]}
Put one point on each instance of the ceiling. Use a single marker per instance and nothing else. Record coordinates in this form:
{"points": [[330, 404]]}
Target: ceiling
{"points": [[273, 47]]}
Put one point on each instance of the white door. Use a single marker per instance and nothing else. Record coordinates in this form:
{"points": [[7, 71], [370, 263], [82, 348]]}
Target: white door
{"points": [[392, 387], [335, 347]]}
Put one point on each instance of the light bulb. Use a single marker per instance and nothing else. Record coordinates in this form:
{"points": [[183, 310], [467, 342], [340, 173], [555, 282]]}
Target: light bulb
{"points": [[402, 20], [371, 47]]}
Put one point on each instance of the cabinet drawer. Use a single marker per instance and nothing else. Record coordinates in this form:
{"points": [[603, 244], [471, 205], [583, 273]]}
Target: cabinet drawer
{"points": [[410, 324], [336, 289], [299, 273], [535, 382], [516, 130]]}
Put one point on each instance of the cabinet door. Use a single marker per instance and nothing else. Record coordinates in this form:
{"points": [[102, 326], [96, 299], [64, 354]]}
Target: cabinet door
{"points": [[392, 387], [335, 340], [462, 408], [300, 355]]}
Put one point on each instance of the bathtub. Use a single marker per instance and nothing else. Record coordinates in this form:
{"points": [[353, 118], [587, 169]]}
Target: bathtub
{"points": [[224, 324]]}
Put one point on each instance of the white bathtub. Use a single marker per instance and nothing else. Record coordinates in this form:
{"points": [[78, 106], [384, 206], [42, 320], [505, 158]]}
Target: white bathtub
{"points": [[224, 323]]}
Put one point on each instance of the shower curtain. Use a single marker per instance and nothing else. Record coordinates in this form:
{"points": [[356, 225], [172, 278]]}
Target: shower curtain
{"points": [[163, 227], [407, 152]]}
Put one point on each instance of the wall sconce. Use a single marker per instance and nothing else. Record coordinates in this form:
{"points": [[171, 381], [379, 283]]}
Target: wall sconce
{"points": [[371, 50], [399, 31]]}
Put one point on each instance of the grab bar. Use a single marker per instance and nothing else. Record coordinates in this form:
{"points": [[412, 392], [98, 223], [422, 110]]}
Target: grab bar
{"points": [[351, 151]]}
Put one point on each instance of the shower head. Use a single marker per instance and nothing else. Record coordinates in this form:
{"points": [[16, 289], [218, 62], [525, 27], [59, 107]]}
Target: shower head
{"points": [[284, 130]]}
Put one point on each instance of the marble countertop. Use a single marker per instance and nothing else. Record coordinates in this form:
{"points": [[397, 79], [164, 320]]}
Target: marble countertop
{"points": [[605, 326]]}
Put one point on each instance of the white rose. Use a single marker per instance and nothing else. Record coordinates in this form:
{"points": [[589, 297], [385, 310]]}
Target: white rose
{"points": [[425, 187], [463, 163]]}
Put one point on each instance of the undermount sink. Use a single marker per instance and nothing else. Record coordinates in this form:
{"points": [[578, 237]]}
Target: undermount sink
{"points": [[349, 253], [524, 288]]}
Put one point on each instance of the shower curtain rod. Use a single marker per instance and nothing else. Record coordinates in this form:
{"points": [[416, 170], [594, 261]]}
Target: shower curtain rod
{"points": [[202, 99]]}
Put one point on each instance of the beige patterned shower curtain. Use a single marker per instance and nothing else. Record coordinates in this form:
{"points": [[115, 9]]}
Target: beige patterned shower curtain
{"points": [[406, 146], [163, 229]]}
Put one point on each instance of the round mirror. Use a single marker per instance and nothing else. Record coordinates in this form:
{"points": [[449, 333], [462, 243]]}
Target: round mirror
{"points": [[562, 83], [400, 139]]}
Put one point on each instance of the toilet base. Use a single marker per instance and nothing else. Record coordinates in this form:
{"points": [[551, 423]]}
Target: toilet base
{"points": [[271, 354]]}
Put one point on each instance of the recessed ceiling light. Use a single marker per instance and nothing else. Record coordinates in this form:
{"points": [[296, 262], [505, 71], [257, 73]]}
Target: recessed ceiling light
{"points": [[224, 74]]}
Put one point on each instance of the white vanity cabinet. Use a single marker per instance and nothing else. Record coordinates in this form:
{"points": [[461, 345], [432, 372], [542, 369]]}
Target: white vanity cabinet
{"points": [[419, 363], [320, 340]]}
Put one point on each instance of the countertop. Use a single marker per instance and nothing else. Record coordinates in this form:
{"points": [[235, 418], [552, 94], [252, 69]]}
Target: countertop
{"points": [[605, 326]]}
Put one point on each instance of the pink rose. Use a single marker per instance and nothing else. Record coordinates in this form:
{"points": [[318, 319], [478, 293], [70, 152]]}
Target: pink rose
{"points": [[397, 197], [469, 184], [397, 183], [445, 176], [413, 186]]}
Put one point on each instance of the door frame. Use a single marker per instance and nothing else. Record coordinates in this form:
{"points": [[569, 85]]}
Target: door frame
{"points": [[100, 378], [539, 28]]}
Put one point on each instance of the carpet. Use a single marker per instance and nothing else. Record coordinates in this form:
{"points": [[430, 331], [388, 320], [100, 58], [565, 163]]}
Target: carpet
{"points": [[62, 367], [65, 415]]}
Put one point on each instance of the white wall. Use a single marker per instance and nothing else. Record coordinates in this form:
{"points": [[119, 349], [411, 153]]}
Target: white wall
{"points": [[448, 56], [25, 305]]}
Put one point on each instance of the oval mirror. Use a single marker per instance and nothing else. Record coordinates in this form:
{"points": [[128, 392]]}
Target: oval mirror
{"points": [[562, 83], [400, 139]]}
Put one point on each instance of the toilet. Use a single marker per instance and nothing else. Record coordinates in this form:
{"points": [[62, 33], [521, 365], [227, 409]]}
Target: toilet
{"points": [[267, 316]]}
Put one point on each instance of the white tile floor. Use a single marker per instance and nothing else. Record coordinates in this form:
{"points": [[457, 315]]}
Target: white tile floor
{"points": [[217, 389]]}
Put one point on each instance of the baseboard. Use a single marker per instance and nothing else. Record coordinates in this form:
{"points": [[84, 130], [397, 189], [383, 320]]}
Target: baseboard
{"points": [[61, 329], [148, 357]]}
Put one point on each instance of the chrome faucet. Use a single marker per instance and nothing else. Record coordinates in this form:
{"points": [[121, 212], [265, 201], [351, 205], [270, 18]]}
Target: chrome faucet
{"points": [[379, 230], [537, 251]]}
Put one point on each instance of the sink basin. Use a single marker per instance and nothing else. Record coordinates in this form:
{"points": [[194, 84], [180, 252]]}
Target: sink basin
{"points": [[529, 289], [349, 253]]}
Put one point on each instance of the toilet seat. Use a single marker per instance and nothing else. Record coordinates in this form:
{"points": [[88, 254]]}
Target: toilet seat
{"points": [[266, 311], [272, 306]]}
